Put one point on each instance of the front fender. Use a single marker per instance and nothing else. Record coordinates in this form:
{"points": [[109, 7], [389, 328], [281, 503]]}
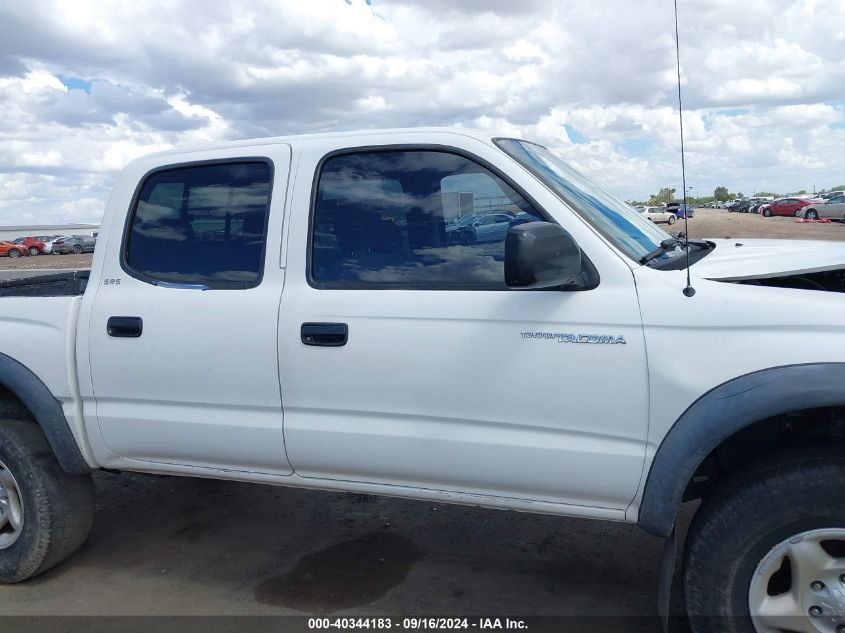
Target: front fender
{"points": [[720, 413]]}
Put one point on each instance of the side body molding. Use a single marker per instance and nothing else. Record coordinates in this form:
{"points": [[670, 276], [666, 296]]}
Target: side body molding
{"points": [[720, 413], [47, 412]]}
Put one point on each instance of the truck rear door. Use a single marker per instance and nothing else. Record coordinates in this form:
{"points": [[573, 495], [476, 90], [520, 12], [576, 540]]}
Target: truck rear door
{"points": [[183, 326]]}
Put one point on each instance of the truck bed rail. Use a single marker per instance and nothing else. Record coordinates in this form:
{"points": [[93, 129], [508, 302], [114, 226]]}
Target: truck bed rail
{"points": [[60, 284]]}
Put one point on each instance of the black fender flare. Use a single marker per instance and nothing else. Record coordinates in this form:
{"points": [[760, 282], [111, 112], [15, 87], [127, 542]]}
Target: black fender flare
{"points": [[47, 412], [720, 413]]}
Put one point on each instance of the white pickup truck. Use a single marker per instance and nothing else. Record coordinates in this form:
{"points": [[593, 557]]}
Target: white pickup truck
{"points": [[312, 311]]}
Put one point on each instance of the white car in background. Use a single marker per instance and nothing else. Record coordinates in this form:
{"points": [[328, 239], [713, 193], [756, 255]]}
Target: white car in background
{"points": [[658, 214], [48, 244]]}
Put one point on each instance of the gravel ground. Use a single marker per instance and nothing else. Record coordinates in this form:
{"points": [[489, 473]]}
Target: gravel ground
{"points": [[718, 223], [40, 262]]}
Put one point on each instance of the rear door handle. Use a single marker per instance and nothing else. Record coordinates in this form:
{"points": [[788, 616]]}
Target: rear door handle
{"points": [[125, 327], [325, 334]]}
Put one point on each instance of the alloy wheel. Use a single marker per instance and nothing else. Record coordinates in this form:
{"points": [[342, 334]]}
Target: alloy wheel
{"points": [[11, 508], [800, 585]]}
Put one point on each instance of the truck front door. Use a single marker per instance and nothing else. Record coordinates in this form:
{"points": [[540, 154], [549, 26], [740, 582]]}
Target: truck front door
{"points": [[183, 326], [405, 361]]}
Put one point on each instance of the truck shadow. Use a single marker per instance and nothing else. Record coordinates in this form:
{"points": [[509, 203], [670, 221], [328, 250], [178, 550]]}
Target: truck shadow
{"points": [[181, 546]]}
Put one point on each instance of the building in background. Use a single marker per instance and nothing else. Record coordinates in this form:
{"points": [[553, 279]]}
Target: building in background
{"points": [[13, 232]]}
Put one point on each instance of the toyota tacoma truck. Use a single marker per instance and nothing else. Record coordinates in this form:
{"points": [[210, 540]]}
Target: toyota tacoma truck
{"points": [[290, 311]]}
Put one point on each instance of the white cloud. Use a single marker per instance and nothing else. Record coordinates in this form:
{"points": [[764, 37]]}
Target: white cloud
{"points": [[594, 81]]}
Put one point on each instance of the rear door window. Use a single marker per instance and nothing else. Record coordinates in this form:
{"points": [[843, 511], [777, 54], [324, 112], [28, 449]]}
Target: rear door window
{"points": [[202, 225]]}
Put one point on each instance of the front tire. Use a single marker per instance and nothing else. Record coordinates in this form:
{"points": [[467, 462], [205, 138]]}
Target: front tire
{"points": [[767, 213], [14, 253], [766, 550], [47, 513], [811, 215], [77, 249], [671, 219], [34, 251]]}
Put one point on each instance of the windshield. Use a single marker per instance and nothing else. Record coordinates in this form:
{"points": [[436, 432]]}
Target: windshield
{"points": [[628, 230]]}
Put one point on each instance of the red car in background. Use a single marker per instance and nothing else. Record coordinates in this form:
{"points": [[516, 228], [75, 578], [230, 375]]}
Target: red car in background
{"points": [[784, 206], [34, 245]]}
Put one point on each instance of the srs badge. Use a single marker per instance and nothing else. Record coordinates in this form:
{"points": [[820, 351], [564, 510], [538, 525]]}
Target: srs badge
{"points": [[563, 337]]}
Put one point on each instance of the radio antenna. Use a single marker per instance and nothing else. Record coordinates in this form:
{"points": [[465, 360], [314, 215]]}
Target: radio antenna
{"points": [[689, 291]]}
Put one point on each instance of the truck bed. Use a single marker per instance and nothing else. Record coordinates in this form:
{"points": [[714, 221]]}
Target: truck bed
{"points": [[61, 284]]}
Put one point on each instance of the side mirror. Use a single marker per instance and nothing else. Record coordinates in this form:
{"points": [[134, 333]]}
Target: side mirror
{"points": [[541, 255]]}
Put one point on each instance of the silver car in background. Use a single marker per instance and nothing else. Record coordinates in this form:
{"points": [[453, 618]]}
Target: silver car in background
{"points": [[75, 244]]}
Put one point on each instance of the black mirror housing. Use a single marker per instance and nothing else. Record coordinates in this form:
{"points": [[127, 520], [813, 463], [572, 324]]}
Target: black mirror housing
{"points": [[542, 255]]}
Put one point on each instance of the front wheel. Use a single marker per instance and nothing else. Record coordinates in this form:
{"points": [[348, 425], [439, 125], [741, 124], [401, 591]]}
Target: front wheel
{"points": [[14, 253], [45, 514], [34, 251], [77, 249], [766, 550], [811, 215], [671, 219], [767, 213]]}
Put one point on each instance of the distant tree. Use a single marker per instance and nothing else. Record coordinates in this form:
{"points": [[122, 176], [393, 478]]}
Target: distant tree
{"points": [[740, 195], [665, 195], [801, 192], [768, 193], [721, 193]]}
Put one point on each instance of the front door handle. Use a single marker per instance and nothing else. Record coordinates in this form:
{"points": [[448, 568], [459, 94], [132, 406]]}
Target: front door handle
{"points": [[325, 334], [125, 327]]}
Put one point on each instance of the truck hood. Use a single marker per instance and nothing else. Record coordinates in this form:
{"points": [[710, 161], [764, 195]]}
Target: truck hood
{"points": [[760, 259]]}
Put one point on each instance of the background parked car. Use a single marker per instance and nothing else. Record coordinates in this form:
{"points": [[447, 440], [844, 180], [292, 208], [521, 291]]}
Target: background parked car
{"points": [[10, 249], [832, 208], [32, 244], [680, 210], [784, 206], [658, 214], [831, 194], [75, 244], [739, 205], [49, 241]]}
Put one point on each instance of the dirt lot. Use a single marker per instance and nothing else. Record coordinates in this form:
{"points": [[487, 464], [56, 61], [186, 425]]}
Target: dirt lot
{"points": [[179, 546], [718, 223], [40, 262]]}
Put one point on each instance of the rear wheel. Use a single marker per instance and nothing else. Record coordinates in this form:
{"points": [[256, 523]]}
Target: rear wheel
{"points": [[77, 249], [34, 251], [766, 550], [45, 514], [811, 214], [671, 219]]}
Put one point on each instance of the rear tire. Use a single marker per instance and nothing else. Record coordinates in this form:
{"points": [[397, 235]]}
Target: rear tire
{"points": [[671, 219], [14, 410], [34, 251], [744, 524], [77, 249], [56, 509]]}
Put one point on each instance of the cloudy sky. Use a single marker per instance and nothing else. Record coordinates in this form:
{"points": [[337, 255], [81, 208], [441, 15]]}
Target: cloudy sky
{"points": [[87, 86]]}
